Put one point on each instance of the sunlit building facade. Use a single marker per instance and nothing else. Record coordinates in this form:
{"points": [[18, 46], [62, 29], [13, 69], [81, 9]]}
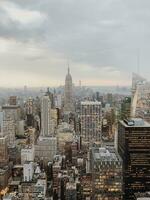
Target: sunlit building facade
{"points": [[106, 168]]}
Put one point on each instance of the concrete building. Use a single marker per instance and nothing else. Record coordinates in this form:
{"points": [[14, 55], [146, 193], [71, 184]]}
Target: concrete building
{"points": [[91, 121], [45, 116], [3, 151], [27, 154], [106, 169], [10, 120], [64, 134], [4, 175], [46, 148], [28, 171]]}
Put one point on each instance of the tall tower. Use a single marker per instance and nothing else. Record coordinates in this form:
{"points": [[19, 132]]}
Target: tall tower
{"points": [[134, 149], [68, 104], [45, 116], [91, 120]]}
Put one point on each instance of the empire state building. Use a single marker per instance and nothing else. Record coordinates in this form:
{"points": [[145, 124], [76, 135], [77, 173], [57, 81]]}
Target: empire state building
{"points": [[68, 94]]}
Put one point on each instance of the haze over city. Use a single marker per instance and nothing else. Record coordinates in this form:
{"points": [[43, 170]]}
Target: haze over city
{"points": [[74, 100], [103, 41]]}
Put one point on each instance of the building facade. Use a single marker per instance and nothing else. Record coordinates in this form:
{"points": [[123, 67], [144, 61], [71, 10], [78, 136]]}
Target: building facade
{"points": [[45, 116], [106, 168], [91, 121], [134, 148]]}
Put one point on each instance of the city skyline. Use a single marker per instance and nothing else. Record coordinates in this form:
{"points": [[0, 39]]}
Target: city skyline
{"points": [[103, 48]]}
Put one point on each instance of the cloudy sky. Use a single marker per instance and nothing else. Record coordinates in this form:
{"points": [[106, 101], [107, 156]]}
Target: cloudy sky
{"points": [[103, 41]]}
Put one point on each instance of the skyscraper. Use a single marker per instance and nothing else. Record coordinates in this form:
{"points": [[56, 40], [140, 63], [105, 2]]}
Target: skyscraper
{"points": [[68, 94], [91, 120], [134, 148], [30, 111], [3, 151], [126, 108], [45, 116], [46, 147]]}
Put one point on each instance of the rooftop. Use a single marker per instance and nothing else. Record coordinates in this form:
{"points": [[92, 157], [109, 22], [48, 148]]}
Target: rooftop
{"points": [[105, 154], [90, 103], [135, 122]]}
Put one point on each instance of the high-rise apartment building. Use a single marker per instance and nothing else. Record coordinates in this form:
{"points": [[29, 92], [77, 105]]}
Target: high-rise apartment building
{"points": [[3, 151], [91, 121], [11, 116], [29, 111], [134, 148], [126, 108], [13, 100], [106, 169], [45, 116], [68, 94]]}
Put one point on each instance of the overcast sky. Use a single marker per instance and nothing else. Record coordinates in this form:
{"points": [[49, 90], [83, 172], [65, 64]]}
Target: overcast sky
{"points": [[101, 39]]}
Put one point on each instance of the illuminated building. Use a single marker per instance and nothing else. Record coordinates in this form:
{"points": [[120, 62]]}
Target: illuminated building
{"points": [[71, 191], [134, 148], [106, 168], [91, 118]]}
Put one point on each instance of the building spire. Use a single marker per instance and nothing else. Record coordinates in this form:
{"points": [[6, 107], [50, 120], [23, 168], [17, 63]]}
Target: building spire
{"points": [[68, 69]]}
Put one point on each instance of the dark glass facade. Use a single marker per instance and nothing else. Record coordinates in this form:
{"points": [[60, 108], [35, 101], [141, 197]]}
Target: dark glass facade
{"points": [[134, 148]]}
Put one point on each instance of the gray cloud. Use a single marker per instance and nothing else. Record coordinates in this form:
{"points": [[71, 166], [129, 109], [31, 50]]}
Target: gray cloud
{"points": [[100, 38]]}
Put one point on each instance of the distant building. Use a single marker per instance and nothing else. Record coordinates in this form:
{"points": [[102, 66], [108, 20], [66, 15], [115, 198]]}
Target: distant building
{"points": [[29, 106], [106, 168], [45, 116], [126, 108], [134, 148], [91, 121], [110, 98], [13, 100], [68, 95]]}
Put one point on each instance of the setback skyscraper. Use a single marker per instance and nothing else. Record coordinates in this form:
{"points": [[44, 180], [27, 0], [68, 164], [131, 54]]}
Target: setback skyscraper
{"points": [[68, 94]]}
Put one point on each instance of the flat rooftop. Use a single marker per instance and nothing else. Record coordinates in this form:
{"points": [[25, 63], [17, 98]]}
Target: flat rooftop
{"points": [[105, 154], [135, 122], [90, 103]]}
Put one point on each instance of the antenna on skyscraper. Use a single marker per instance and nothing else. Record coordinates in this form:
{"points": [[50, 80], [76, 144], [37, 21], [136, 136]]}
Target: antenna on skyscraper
{"points": [[68, 67]]}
